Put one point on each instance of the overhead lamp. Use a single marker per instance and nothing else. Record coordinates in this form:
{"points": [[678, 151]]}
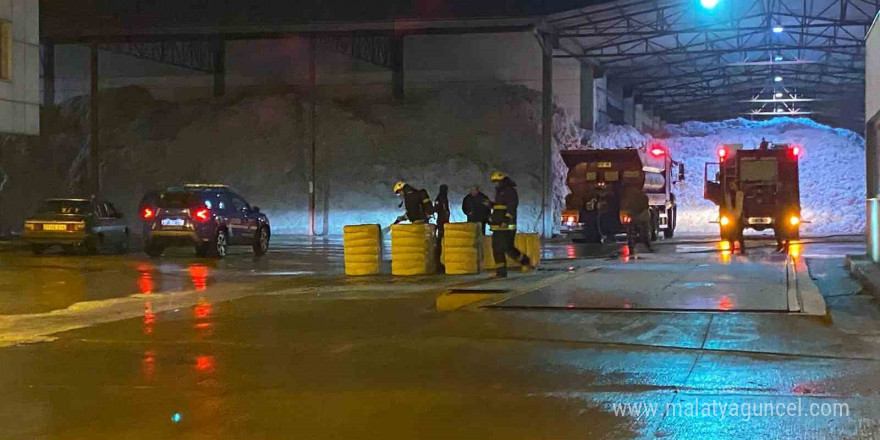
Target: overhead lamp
{"points": [[778, 29], [778, 79], [709, 4], [779, 110], [777, 58], [778, 94]]}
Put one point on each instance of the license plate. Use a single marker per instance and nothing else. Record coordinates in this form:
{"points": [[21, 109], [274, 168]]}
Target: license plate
{"points": [[760, 220], [47, 227], [604, 164], [172, 222]]}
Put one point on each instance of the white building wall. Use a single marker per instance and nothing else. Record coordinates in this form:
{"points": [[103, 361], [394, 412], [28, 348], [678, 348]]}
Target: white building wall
{"points": [[872, 73], [20, 96]]}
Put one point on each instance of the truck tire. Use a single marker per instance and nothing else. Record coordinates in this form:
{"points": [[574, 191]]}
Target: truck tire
{"points": [[669, 232], [655, 224]]}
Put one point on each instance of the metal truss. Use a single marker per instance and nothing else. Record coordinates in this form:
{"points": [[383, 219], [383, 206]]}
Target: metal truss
{"points": [[689, 63], [375, 49], [192, 54]]}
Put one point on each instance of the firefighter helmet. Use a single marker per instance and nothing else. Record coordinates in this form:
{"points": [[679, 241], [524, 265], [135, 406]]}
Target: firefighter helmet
{"points": [[398, 187], [497, 175]]}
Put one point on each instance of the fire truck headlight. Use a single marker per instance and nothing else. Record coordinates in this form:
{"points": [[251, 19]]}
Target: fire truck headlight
{"points": [[794, 220], [724, 221]]}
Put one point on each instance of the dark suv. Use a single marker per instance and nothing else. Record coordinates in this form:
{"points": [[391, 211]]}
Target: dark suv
{"points": [[209, 217]]}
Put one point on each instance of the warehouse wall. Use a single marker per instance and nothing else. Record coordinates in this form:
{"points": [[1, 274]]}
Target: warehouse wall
{"points": [[430, 61]]}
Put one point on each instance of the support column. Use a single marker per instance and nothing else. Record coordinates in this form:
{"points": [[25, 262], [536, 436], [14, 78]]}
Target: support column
{"points": [[639, 117], [397, 79], [629, 110], [48, 73], [872, 186], [547, 136], [872, 156], [313, 89], [219, 67], [588, 99], [94, 138]]}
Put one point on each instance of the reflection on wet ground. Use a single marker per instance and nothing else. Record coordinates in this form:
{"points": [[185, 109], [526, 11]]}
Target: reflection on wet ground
{"points": [[331, 364]]}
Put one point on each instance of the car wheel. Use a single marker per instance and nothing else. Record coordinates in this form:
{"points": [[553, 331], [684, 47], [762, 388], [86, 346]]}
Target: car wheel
{"points": [[261, 241], [122, 246], [219, 245], [38, 249], [93, 244], [154, 249]]}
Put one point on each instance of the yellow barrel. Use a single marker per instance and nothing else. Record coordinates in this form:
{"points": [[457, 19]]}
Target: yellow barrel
{"points": [[363, 249], [412, 249], [461, 250], [527, 243]]}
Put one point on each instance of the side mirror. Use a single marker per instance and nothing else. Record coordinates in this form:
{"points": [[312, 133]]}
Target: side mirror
{"points": [[681, 172], [255, 209]]}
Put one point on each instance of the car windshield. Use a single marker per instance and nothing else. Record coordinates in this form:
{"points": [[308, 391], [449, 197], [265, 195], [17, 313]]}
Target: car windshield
{"points": [[178, 200], [71, 207]]}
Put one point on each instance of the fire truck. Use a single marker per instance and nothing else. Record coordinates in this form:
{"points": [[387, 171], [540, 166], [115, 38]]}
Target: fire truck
{"points": [[768, 178], [598, 178]]}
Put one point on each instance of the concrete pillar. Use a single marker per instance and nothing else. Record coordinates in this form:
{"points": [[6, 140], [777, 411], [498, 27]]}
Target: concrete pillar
{"points": [[594, 99], [639, 116], [872, 156], [629, 110], [588, 99], [219, 67], [94, 138], [547, 135], [397, 78], [48, 73], [313, 90]]}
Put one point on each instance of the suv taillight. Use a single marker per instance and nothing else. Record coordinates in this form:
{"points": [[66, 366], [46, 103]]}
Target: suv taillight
{"points": [[202, 214], [148, 213]]}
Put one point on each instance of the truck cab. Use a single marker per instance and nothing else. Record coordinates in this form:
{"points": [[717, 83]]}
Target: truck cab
{"points": [[769, 180], [598, 180]]}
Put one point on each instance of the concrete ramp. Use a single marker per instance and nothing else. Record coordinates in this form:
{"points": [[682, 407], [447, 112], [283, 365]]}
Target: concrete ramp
{"points": [[738, 285]]}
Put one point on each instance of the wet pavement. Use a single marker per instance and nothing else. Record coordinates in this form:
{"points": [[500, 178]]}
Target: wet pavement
{"points": [[286, 347]]}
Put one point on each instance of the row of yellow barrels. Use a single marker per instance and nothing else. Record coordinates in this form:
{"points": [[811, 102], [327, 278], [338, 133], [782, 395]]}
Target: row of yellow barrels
{"points": [[413, 249]]}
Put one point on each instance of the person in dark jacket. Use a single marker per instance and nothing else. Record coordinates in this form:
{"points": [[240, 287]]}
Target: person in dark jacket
{"points": [[412, 203], [476, 206], [636, 205], [502, 223], [441, 208]]}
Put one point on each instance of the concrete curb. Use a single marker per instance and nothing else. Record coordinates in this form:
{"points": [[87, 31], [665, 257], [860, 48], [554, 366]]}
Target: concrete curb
{"points": [[866, 271], [811, 300]]}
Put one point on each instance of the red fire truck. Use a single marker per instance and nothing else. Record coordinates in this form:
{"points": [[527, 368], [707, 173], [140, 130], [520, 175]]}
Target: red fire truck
{"points": [[768, 178], [598, 178]]}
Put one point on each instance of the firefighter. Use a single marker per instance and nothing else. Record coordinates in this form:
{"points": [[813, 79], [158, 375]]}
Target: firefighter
{"points": [[733, 210], [635, 204], [441, 207], [764, 144], [476, 206], [502, 223], [413, 202]]}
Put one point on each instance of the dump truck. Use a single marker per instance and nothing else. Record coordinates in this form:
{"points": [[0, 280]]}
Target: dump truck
{"points": [[597, 178], [769, 180]]}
